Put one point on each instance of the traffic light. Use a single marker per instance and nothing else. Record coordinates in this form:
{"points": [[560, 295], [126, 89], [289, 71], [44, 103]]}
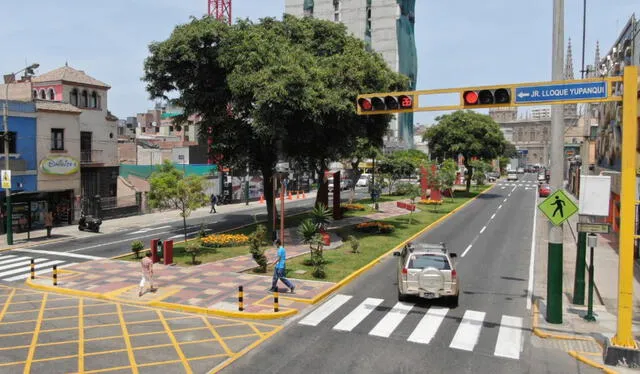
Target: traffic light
{"points": [[493, 97], [385, 103]]}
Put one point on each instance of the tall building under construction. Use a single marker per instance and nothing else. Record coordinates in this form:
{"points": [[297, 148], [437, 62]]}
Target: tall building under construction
{"points": [[386, 26]]}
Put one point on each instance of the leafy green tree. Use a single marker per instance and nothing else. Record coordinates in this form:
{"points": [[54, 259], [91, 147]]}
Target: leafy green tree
{"points": [[193, 248], [170, 189], [480, 170], [256, 239], [468, 133], [394, 167], [272, 89], [447, 175]]}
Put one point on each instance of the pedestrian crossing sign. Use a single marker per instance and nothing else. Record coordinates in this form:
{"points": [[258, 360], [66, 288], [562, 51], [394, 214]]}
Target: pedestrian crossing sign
{"points": [[6, 178], [558, 207]]}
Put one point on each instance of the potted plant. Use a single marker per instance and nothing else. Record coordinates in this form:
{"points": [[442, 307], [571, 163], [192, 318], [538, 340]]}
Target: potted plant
{"points": [[136, 247], [320, 217]]}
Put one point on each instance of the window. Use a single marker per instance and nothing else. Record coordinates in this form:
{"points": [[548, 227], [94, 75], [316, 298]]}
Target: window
{"points": [[73, 97], [425, 261], [35, 94], [93, 100], [336, 10], [170, 128], [43, 96], [84, 99], [52, 94], [12, 143], [57, 139]]}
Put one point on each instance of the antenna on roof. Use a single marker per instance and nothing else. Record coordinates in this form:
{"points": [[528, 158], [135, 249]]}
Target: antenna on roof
{"points": [[66, 63]]}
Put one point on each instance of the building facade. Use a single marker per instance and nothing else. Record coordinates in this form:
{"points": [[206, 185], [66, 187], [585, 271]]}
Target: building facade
{"points": [[386, 26]]}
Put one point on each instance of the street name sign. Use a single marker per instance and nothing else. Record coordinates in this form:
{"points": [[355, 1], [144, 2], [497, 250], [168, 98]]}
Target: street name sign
{"points": [[557, 92], [558, 207], [593, 228]]}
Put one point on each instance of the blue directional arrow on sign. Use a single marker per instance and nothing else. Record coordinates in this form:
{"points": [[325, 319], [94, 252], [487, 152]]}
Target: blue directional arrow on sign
{"points": [[557, 92]]}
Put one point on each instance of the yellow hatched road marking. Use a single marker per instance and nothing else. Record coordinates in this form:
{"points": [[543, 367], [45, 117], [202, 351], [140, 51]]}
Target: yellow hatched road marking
{"points": [[6, 304], [105, 352], [16, 347], [101, 314], [36, 332], [190, 329], [176, 345], [147, 333], [12, 363], [54, 358], [207, 357], [62, 307], [153, 346], [163, 363], [60, 329], [127, 340], [56, 343], [254, 328], [109, 369], [215, 333], [103, 338], [81, 335]]}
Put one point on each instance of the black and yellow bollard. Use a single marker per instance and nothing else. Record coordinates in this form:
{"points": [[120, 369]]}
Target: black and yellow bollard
{"points": [[33, 269], [276, 307], [55, 275], [240, 299]]}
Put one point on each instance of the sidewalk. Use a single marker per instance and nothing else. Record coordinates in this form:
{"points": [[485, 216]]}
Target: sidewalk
{"points": [[210, 288], [127, 223], [581, 338]]}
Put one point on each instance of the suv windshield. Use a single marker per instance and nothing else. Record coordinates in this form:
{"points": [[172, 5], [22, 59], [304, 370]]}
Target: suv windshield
{"points": [[425, 261]]}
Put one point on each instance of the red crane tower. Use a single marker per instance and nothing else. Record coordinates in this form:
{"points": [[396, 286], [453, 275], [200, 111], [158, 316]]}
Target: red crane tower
{"points": [[220, 9]]}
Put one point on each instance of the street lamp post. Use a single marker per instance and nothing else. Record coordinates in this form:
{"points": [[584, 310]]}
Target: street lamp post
{"points": [[5, 136]]}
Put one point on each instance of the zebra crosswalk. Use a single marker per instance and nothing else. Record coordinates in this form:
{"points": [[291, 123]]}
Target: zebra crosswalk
{"points": [[509, 343], [15, 264]]}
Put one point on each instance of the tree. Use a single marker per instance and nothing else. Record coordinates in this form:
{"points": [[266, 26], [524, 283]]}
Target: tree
{"points": [[480, 170], [394, 167], [136, 247], [447, 175], [194, 249], [170, 189], [291, 86], [256, 239], [471, 134]]}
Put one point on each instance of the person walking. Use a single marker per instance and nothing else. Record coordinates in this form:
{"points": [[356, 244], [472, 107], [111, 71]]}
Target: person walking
{"points": [[279, 269], [48, 222], [214, 201], [147, 274]]}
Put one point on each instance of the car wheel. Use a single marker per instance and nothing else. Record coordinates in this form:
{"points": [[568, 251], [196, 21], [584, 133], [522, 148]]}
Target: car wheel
{"points": [[453, 301], [401, 296]]}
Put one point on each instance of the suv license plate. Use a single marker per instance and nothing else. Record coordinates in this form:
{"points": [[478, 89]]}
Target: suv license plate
{"points": [[428, 295]]}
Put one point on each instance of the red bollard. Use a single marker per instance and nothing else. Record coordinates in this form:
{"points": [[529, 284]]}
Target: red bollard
{"points": [[154, 250], [168, 252]]}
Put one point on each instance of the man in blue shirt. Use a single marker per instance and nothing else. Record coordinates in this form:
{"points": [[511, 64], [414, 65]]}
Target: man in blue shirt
{"points": [[279, 269]]}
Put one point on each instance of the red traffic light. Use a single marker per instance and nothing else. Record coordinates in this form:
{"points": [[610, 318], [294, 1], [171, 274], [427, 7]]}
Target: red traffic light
{"points": [[365, 104], [406, 102], [470, 98]]}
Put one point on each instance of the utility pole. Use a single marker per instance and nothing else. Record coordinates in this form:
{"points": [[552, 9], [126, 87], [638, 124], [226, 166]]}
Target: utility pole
{"points": [[554, 257]]}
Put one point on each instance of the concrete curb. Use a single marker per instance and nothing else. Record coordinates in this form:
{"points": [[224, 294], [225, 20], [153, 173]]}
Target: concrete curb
{"points": [[349, 278], [545, 335], [589, 362], [164, 305]]}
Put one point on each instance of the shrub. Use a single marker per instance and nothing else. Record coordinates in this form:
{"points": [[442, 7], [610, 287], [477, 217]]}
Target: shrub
{"points": [[224, 240], [136, 247], [375, 227], [317, 258], [359, 207], [202, 233], [354, 243], [194, 249], [404, 188], [321, 216], [255, 247]]}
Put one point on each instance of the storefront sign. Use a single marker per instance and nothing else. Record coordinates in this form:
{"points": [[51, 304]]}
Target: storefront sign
{"points": [[59, 165]]}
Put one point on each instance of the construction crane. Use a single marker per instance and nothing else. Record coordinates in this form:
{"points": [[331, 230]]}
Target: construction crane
{"points": [[220, 9]]}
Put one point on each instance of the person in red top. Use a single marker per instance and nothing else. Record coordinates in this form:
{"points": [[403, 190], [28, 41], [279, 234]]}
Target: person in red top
{"points": [[147, 274]]}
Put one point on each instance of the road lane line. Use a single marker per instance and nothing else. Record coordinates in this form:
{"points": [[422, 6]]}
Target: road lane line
{"points": [[500, 206], [61, 254], [13, 259], [38, 272], [483, 228], [358, 314], [145, 230], [505, 200], [468, 332], [391, 320], [466, 250], [315, 317], [428, 325], [532, 256], [493, 216], [509, 341], [36, 334]]}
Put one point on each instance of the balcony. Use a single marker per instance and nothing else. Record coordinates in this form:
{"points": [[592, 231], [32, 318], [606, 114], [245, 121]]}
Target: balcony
{"points": [[92, 156]]}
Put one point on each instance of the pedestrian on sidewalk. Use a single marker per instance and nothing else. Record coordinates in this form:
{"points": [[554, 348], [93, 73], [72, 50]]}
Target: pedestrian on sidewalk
{"points": [[48, 222], [147, 274], [214, 201], [280, 269]]}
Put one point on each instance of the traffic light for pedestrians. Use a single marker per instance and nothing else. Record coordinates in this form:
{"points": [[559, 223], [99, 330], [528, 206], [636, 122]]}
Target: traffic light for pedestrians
{"points": [[372, 105], [481, 98]]}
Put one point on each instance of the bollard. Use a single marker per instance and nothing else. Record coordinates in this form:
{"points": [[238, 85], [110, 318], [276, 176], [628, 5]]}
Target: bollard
{"points": [[298, 194], [275, 301], [55, 275], [33, 269], [240, 299]]}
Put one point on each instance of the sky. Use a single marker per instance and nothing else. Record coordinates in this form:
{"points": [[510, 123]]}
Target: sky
{"points": [[459, 42]]}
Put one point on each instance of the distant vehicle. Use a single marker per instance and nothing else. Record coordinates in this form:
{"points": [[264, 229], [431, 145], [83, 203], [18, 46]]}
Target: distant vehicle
{"points": [[544, 190], [512, 176], [345, 184], [363, 181], [492, 176], [541, 178], [520, 171], [427, 271]]}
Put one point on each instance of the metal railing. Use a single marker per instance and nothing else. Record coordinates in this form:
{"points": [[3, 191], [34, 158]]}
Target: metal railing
{"points": [[91, 156]]}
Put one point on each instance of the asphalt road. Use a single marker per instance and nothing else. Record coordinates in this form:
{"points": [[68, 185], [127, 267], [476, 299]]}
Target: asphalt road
{"points": [[368, 331]]}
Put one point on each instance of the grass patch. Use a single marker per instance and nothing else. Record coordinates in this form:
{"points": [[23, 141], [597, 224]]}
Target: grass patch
{"points": [[181, 258], [341, 262]]}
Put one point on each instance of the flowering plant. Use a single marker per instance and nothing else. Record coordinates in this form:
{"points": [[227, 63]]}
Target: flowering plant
{"points": [[375, 227], [430, 202], [224, 240], [354, 206]]}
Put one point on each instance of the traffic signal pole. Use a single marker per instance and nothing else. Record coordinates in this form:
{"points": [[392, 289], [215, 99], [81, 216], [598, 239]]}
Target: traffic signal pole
{"points": [[555, 250]]}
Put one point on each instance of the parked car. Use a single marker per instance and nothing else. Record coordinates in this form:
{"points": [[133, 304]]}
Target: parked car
{"points": [[512, 176], [520, 171], [363, 181], [544, 190], [541, 178], [427, 271], [493, 176]]}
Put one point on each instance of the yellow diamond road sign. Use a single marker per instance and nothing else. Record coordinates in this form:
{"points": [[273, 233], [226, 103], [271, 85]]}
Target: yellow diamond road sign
{"points": [[558, 207]]}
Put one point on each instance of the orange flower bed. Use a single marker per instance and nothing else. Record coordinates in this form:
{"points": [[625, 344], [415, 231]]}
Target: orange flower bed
{"points": [[224, 240], [354, 206], [375, 227], [430, 202]]}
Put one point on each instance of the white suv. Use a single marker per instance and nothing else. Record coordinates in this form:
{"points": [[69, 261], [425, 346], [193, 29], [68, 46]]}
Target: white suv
{"points": [[427, 271]]}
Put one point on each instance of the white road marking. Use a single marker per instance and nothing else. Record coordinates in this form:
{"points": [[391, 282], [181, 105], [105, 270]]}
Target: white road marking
{"points": [[483, 228], [502, 188], [500, 206], [16, 271], [358, 314], [38, 272], [468, 332], [24, 263], [466, 250], [9, 259], [532, 256], [315, 317], [391, 320], [509, 342], [493, 216], [145, 230], [61, 254], [428, 325], [505, 200]]}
